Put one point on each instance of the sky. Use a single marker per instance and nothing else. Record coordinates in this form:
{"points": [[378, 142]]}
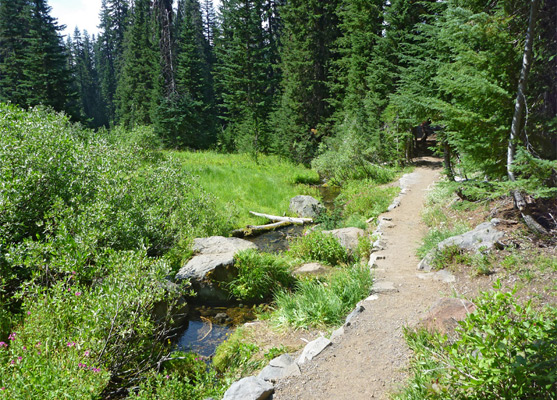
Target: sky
{"points": [[81, 13]]}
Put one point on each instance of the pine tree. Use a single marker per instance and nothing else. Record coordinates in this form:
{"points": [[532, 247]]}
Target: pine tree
{"points": [[243, 76], [137, 92], [109, 49], [187, 118], [310, 31], [33, 61]]}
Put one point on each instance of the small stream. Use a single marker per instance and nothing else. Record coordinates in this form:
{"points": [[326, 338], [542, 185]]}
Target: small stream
{"points": [[208, 327]]}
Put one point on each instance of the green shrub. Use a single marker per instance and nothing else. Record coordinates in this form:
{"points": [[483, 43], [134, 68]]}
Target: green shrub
{"points": [[259, 276], [318, 246], [316, 303], [503, 350], [236, 357]]}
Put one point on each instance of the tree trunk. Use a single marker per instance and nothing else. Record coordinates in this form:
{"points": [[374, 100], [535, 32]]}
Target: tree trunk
{"points": [[517, 122]]}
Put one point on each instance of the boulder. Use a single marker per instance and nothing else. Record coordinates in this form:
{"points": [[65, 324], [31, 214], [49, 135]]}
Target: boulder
{"points": [[251, 388], [347, 237], [444, 315], [313, 349], [280, 367], [484, 237], [213, 266], [220, 245], [306, 206], [313, 269]]}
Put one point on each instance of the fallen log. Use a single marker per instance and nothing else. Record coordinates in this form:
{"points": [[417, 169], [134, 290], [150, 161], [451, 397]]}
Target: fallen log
{"points": [[275, 218], [251, 229]]}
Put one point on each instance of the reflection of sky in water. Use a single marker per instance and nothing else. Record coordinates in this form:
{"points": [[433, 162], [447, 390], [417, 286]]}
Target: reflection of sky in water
{"points": [[195, 339]]}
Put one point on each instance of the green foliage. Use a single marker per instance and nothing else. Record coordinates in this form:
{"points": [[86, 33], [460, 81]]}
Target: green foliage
{"points": [[240, 185], [504, 350], [319, 304], [365, 198], [318, 246], [235, 356], [436, 235], [259, 276]]}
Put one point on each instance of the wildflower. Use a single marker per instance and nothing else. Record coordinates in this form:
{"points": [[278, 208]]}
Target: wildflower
{"points": [[78, 293], [73, 272], [38, 344], [71, 344], [12, 362], [3, 344], [96, 370], [167, 376], [86, 354], [24, 347], [12, 336], [2, 388], [19, 358], [28, 312]]}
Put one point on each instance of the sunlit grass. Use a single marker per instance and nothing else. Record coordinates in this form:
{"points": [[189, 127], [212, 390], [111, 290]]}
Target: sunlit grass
{"points": [[242, 185]]}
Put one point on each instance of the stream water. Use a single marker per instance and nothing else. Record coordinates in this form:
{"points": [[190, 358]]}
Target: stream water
{"points": [[209, 327]]}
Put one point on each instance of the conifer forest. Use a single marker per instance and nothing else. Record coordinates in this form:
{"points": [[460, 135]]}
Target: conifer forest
{"points": [[118, 149]]}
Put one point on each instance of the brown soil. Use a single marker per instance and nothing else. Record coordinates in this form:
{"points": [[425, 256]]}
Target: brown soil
{"points": [[370, 360]]}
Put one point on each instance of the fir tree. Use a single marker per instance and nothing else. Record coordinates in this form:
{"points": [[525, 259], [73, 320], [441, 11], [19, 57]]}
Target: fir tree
{"points": [[33, 60], [310, 31], [109, 48], [243, 76], [137, 94]]}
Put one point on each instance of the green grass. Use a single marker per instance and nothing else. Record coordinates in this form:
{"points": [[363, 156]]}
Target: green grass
{"points": [[322, 303], [437, 235], [242, 185]]}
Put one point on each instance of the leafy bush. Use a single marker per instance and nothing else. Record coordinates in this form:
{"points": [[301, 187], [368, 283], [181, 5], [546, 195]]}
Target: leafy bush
{"points": [[318, 246], [503, 350], [316, 303], [259, 276]]}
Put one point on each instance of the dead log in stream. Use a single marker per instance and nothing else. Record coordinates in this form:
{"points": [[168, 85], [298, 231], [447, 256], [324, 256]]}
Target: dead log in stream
{"points": [[277, 222], [275, 218]]}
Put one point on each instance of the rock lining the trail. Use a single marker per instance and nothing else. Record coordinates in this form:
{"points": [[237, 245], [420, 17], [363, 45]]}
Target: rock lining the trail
{"points": [[482, 238], [250, 388], [279, 368], [313, 349]]}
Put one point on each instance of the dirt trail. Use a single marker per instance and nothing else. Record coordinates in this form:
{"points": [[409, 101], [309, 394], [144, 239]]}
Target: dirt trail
{"points": [[370, 360]]}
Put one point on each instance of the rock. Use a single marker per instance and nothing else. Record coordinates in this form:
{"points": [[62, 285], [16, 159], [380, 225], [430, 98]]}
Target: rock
{"points": [[313, 349], [372, 263], [484, 237], [197, 269], [251, 388], [337, 333], [357, 311], [280, 367], [347, 237], [373, 297], [313, 269], [220, 245], [444, 315], [444, 276], [384, 287], [306, 206]]}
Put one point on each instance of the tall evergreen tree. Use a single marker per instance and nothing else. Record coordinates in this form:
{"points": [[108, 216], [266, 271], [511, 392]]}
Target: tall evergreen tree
{"points": [[311, 28], [33, 60], [109, 49], [137, 94], [187, 117], [243, 75]]}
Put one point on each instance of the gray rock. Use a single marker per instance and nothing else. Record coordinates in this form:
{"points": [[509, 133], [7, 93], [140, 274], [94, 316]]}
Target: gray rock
{"points": [[220, 245], [444, 276], [484, 237], [313, 349], [347, 237], [280, 367], [306, 206], [444, 315], [337, 334], [197, 269], [251, 388], [384, 287], [313, 269], [357, 311]]}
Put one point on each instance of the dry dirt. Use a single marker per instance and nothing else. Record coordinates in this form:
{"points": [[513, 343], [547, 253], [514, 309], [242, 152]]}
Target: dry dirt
{"points": [[370, 360]]}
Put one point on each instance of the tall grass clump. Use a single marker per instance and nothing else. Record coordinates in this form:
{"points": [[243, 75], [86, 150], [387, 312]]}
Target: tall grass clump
{"points": [[260, 275], [364, 198], [320, 247], [503, 350], [322, 303]]}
